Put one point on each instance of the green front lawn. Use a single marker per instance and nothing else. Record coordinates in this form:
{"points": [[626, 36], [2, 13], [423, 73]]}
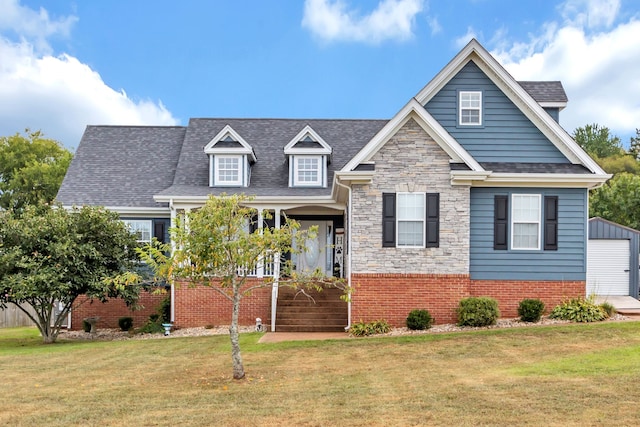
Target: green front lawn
{"points": [[555, 375]]}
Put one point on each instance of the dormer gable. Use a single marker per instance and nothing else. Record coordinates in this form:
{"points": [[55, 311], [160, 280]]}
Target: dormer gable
{"points": [[230, 159], [308, 155]]}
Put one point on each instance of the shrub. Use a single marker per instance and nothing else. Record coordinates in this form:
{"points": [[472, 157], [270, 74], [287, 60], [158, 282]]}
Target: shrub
{"points": [[125, 323], [165, 309], [578, 310], [419, 320], [608, 308], [86, 326], [362, 329], [530, 310], [478, 311]]}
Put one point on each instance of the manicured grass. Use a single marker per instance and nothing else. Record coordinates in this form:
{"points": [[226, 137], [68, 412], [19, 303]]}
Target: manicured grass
{"points": [[557, 375]]}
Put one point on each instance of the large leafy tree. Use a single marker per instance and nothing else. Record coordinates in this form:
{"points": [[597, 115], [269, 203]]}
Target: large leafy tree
{"points": [[214, 248], [51, 256], [618, 200], [597, 141], [31, 170]]}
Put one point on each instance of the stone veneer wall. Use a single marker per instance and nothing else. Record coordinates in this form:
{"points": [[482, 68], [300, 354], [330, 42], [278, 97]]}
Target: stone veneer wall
{"points": [[410, 161]]}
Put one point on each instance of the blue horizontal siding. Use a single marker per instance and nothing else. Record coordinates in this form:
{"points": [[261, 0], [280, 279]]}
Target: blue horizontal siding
{"points": [[507, 135], [567, 263]]}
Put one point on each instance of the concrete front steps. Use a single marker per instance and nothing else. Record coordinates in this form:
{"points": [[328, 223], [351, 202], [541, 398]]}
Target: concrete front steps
{"points": [[625, 305], [318, 312]]}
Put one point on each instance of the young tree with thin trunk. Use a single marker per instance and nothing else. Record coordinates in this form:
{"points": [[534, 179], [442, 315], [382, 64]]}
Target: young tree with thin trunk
{"points": [[213, 247], [50, 256]]}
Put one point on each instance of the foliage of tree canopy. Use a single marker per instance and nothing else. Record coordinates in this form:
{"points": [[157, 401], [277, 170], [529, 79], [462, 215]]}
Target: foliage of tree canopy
{"points": [[31, 170], [213, 248], [597, 141], [51, 256], [618, 200]]}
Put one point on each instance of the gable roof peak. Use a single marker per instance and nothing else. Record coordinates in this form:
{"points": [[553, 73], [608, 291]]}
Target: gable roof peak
{"points": [[225, 136], [306, 135]]}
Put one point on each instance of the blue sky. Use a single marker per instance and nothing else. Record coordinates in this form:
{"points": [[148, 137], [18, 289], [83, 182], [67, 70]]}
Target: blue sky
{"points": [[66, 64]]}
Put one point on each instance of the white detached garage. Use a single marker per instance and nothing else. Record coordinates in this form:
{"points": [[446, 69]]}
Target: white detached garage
{"points": [[612, 259]]}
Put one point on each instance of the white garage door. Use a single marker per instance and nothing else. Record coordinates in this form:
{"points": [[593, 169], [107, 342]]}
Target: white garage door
{"points": [[608, 267]]}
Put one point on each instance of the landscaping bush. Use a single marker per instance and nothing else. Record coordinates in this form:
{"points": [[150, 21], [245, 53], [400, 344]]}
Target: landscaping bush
{"points": [[608, 308], [362, 329], [125, 323], [478, 311], [86, 326], [419, 320], [578, 310], [530, 310]]}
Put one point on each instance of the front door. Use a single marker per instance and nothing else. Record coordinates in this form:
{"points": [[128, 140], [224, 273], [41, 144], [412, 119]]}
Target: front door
{"points": [[319, 253]]}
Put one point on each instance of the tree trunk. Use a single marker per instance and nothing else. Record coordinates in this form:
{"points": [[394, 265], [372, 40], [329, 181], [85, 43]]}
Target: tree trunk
{"points": [[236, 357]]}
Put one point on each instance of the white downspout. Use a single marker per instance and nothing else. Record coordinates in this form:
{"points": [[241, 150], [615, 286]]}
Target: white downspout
{"points": [[349, 207], [172, 210]]}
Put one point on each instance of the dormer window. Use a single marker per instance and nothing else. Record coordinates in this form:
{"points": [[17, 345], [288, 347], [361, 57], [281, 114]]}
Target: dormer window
{"points": [[230, 159], [308, 156]]}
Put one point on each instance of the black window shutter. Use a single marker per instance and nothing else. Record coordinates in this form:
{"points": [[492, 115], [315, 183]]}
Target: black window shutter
{"points": [[388, 220], [158, 231], [551, 223], [501, 223], [433, 220]]}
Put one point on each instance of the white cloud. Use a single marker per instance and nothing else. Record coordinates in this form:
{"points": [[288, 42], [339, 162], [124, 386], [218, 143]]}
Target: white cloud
{"points": [[331, 20], [598, 67], [57, 94], [462, 41]]}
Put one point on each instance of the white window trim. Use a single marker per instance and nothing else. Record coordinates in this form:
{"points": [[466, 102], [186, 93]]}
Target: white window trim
{"points": [[538, 222], [216, 174], [423, 219], [319, 182], [146, 222], [479, 108]]}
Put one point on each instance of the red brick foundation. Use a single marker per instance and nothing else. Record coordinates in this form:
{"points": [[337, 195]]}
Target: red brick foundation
{"points": [[393, 296], [110, 311], [202, 306]]}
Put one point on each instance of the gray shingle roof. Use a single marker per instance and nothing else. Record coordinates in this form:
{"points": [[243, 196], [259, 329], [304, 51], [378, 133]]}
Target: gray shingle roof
{"points": [[267, 137], [545, 91], [122, 165], [513, 167]]}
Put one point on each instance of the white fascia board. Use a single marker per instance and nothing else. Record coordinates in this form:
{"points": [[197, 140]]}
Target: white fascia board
{"points": [[355, 177], [414, 110], [558, 105], [516, 93], [290, 147], [543, 180], [468, 177], [247, 149], [128, 210], [272, 200]]}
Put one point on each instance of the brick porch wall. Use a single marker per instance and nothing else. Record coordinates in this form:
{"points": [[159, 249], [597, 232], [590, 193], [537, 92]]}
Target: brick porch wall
{"points": [[393, 296], [110, 311], [202, 306]]}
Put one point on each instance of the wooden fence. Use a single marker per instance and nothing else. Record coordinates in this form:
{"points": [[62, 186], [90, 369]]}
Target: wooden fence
{"points": [[12, 317]]}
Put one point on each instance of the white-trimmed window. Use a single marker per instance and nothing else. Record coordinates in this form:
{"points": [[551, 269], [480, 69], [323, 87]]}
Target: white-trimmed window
{"points": [[410, 217], [525, 221], [228, 170], [470, 108], [307, 171], [142, 229]]}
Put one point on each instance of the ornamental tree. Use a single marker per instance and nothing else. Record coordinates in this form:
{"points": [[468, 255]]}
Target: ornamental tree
{"points": [[213, 247], [31, 170], [51, 256]]}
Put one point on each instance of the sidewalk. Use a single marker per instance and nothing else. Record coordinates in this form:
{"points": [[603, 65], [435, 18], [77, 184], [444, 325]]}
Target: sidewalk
{"points": [[271, 337]]}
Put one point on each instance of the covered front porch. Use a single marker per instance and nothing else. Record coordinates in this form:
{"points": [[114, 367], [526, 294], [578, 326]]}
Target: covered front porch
{"points": [[291, 310]]}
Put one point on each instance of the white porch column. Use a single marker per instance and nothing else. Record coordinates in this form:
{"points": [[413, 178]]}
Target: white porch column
{"points": [[276, 277], [260, 266]]}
